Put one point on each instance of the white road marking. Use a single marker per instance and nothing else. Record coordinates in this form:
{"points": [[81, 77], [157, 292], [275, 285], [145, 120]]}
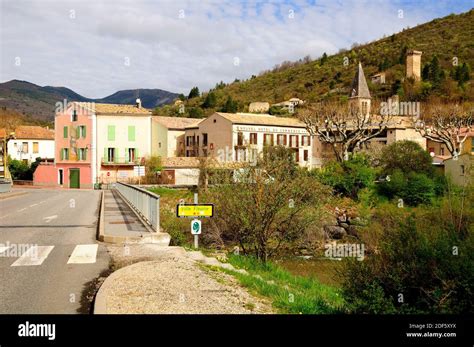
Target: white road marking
{"points": [[50, 218], [33, 205], [3, 249], [35, 255], [21, 209], [83, 254]]}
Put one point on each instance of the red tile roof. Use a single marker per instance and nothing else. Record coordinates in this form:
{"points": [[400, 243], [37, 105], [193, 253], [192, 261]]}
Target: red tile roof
{"points": [[34, 132]]}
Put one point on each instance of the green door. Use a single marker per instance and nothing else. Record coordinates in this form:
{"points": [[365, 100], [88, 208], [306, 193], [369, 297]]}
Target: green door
{"points": [[74, 178]]}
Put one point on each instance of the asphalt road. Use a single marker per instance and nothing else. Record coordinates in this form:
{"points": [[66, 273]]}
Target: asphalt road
{"points": [[48, 250]]}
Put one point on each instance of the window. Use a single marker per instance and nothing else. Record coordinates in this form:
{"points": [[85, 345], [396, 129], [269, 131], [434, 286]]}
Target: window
{"points": [[189, 140], [281, 140], [65, 154], [82, 154], [462, 170], [293, 141], [110, 155], [131, 155], [35, 147], [81, 131], [111, 132], [240, 139], [74, 116], [364, 107], [442, 150], [296, 155], [268, 139], [253, 138], [204, 139], [24, 147], [305, 155], [65, 132], [305, 141], [131, 133]]}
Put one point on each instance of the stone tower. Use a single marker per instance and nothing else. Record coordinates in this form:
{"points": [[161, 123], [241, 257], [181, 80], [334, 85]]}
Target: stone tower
{"points": [[360, 95], [414, 64]]}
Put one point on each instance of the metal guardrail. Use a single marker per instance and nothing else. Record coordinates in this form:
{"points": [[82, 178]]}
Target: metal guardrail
{"points": [[145, 203]]}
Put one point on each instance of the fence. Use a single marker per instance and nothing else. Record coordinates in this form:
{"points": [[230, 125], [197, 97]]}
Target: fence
{"points": [[144, 202]]}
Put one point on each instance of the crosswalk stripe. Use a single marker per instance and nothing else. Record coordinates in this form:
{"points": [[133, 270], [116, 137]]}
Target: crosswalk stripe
{"points": [[35, 255], [84, 254], [3, 248]]}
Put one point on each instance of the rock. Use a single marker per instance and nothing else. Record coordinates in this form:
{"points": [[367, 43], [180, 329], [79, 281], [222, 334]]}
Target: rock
{"points": [[334, 231], [352, 230]]}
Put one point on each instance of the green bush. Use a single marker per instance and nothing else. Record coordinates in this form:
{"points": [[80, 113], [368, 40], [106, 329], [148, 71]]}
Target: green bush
{"points": [[413, 188], [349, 177], [406, 156], [175, 227], [423, 265]]}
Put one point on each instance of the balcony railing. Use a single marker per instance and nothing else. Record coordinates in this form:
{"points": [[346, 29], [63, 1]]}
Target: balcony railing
{"points": [[120, 161]]}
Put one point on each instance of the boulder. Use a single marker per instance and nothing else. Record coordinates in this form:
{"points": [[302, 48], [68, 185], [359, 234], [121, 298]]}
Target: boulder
{"points": [[334, 231]]}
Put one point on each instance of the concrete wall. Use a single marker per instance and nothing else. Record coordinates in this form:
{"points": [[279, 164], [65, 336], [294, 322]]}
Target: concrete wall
{"points": [[48, 175], [405, 134], [453, 169], [45, 149], [186, 176]]}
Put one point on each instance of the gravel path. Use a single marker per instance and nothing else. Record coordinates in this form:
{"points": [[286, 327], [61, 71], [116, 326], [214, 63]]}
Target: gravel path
{"points": [[173, 283]]}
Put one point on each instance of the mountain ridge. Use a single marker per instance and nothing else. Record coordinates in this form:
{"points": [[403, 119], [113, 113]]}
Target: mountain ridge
{"points": [[38, 102]]}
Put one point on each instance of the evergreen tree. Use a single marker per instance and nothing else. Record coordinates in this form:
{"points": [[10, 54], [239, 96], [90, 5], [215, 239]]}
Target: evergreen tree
{"points": [[194, 93], [210, 100], [230, 106]]}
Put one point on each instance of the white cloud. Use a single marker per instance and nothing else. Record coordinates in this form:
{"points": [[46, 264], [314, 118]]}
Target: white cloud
{"points": [[88, 53]]}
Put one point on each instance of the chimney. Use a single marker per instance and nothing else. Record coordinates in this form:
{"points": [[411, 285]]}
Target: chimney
{"points": [[138, 103], [413, 64]]}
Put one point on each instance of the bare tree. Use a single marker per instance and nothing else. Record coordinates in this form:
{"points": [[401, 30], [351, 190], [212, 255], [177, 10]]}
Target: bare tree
{"points": [[343, 126], [448, 124]]}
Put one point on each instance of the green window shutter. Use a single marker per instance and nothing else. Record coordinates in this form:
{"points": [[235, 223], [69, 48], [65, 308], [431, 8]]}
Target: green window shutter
{"points": [[137, 155], [126, 155], [62, 153], [65, 132], [116, 156], [85, 154], [105, 159], [84, 132], [131, 133], [111, 132]]}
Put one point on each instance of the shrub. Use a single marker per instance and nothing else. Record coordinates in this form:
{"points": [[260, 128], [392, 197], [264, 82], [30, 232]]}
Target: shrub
{"points": [[349, 177], [413, 188], [423, 265], [406, 156]]}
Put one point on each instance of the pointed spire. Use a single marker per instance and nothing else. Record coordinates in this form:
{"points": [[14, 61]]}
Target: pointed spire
{"points": [[359, 88]]}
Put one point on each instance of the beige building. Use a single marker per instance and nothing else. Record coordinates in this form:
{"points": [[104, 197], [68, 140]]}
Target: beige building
{"points": [[413, 64], [168, 135], [241, 137]]}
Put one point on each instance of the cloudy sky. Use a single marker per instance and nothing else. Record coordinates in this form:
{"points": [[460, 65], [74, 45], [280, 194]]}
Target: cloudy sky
{"points": [[97, 47]]}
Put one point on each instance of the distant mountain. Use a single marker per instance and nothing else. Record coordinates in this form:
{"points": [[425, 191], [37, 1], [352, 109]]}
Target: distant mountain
{"points": [[150, 98], [39, 102]]}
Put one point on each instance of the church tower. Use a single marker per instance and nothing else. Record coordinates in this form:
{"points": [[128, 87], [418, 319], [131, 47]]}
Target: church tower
{"points": [[360, 95]]}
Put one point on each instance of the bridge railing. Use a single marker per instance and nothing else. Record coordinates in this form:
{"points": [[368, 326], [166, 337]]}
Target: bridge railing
{"points": [[144, 202]]}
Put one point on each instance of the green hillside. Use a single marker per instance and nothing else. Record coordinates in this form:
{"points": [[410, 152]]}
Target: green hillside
{"points": [[442, 41]]}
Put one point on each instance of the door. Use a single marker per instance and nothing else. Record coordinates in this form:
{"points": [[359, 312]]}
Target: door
{"points": [[74, 178], [60, 178]]}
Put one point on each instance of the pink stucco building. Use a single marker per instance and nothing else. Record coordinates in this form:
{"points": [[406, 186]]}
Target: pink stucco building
{"points": [[73, 149]]}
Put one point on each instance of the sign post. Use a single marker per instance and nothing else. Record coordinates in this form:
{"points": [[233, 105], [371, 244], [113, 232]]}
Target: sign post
{"points": [[196, 235], [195, 211]]}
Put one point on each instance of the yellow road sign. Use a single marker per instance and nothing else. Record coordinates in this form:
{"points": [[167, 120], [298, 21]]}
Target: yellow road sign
{"points": [[194, 211]]}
